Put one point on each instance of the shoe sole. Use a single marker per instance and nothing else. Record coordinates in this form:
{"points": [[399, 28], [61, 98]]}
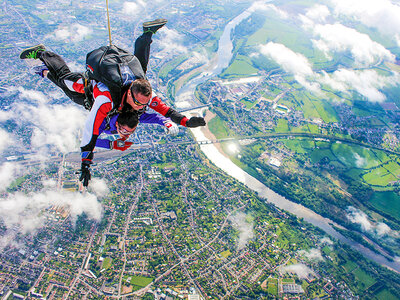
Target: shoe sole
{"points": [[155, 23], [30, 49]]}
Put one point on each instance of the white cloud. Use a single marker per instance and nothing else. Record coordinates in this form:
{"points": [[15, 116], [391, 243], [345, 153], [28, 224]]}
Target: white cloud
{"points": [[265, 6], [301, 270], [318, 13], [54, 125], [293, 63], [326, 240], [201, 58], [245, 228], [6, 115], [33, 95], [5, 139], [73, 33], [339, 38], [359, 217], [290, 61], [382, 229], [132, 8], [368, 83], [360, 161], [49, 184], [383, 14], [365, 82], [99, 187], [312, 254], [171, 41], [8, 173], [76, 67], [27, 211]]}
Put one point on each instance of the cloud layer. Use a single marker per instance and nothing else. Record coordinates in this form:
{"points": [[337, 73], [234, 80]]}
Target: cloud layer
{"points": [[367, 83], [5, 139], [292, 62], [258, 6], [359, 217], [301, 270], [171, 42], [25, 213], [312, 254], [339, 38], [55, 127], [383, 14], [73, 33], [132, 8]]}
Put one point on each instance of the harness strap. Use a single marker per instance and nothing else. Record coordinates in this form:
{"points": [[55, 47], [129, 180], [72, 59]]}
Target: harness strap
{"points": [[88, 89]]}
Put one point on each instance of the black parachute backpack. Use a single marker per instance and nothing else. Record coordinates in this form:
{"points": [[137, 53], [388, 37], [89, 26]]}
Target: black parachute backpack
{"points": [[105, 64]]}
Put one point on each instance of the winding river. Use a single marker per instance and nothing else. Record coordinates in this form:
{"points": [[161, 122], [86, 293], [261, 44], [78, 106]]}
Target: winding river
{"points": [[185, 98]]}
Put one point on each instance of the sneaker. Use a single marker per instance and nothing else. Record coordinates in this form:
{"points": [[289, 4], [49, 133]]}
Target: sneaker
{"points": [[32, 52], [39, 70], [153, 26]]}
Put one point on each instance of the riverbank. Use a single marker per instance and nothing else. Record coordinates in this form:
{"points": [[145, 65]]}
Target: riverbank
{"points": [[209, 135]]}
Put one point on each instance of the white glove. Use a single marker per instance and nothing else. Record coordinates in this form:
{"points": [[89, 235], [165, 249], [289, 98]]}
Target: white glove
{"points": [[172, 128]]}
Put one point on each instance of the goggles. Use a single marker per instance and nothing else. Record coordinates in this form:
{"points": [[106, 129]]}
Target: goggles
{"points": [[137, 102], [124, 131]]}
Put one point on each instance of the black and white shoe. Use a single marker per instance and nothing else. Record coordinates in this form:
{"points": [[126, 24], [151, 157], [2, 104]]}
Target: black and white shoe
{"points": [[32, 52]]}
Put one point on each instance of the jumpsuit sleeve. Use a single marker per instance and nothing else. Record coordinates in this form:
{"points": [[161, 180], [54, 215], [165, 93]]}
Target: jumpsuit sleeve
{"points": [[101, 107], [167, 111], [75, 86], [103, 143], [150, 118]]}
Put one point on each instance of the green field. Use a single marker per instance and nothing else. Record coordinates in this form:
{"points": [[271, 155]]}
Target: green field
{"points": [[355, 156], [318, 154], [273, 286], [282, 126], [350, 266], [385, 295], [387, 202], [138, 281], [363, 280], [217, 127], [225, 254], [379, 177], [248, 102], [240, 67], [298, 145], [106, 263], [394, 168]]}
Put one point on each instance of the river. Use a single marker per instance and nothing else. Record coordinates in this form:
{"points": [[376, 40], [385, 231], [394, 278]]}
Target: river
{"points": [[185, 98]]}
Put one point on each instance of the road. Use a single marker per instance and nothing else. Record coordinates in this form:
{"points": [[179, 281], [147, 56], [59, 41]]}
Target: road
{"points": [[89, 246]]}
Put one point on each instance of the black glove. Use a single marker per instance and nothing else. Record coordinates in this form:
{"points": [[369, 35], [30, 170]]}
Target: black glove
{"points": [[85, 172], [195, 122]]}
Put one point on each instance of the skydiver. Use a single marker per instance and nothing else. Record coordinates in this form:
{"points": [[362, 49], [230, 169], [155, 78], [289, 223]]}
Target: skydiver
{"points": [[137, 93], [124, 124]]}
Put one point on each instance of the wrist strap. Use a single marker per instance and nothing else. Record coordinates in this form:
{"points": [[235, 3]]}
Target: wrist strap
{"points": [[87, 155]]}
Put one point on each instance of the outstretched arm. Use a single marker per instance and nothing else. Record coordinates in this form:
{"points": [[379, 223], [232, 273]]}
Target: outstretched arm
{"points": [[149, 118], [175, 116]]}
